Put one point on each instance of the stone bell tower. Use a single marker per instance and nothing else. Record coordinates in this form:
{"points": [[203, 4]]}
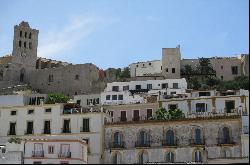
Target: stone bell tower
{"points": [[24, 54]]}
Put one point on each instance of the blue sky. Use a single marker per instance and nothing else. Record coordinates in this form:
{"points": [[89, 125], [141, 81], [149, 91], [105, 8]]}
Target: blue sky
{"points": [[115, 33]]}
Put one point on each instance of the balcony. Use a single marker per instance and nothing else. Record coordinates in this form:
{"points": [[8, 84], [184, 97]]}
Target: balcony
{"points": [[66, 130], [225, 141], [166, 143], [64, 155], [142, 144], [11, 132], [117, 145], [46, 131], [197, 142], [38, 154], [29, 132]]}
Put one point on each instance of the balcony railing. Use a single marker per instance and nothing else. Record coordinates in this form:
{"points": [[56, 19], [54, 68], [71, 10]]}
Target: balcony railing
{"points": [[197, 141], [225, 141], [143, 144], [64, 155], [46, 131], [39, 154], [117, 145], [29, 132], [12, 132], [66, 130], [170, 143]]}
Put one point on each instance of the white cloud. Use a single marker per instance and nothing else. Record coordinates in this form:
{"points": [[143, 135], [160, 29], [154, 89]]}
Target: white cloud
{"points": [[55, 42]]}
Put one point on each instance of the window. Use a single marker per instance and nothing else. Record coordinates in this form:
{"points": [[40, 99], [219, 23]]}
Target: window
{"points": [[235, 70], [51, 150], [51, 79], [114, 97], [166, 69], [149, 63], [12, 130], [36, 162], [137, 66], [221, 77], [226, 153], [204, 94], [117, 139], [175, 85], [173, 70], [125, 88], [170, 138], [97, 100], [107, 97], [221, 66], [161, 67], [116, 158], [120, 97], [115, 88], [30, 45], [164, 85], [21, 33], [138, 87], [13, 113], [25, 34], [143, 64], [172, 106], [170, 157], [76, 77], [149, 113], [197, 156], [48, 110], [143, 157], [123, 116], [20, 44], [78, 102], [3, 150], [201, 107], [85, 125], [24, 44], [172, 93], [149, 86], [29, 127], [30, 111], [30, 36], [197, 136]]}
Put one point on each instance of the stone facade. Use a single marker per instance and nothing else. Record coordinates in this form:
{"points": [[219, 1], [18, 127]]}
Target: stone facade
{"points": [[184, 132]]}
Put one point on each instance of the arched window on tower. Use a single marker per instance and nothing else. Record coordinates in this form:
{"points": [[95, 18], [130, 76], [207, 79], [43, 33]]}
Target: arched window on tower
{"points": [[20, 44], [30, 45], [21, 33], [30, 36]]}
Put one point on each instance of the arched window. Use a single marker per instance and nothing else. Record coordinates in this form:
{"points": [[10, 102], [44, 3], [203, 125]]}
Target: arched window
{"points": [[117, 139], [225, 138], [170, 157], [25, 34], [30, 36], [22, 75], [226, 153], [20, 44], [170, 137], [197, 156], [197, 136], [142, 157], [116, 158], [24, 44], [30, 45], [143, 138], [21, 33]]}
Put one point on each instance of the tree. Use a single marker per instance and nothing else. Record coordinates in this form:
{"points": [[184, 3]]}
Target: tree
{"points": [[121, 75], [205, 69], [163, 114], [57, 98]]}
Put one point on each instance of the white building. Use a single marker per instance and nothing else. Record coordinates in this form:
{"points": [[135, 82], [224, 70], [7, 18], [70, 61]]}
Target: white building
{"points": [[145, 68], [11, 153], [88, 100], [55, 119], [136, 91], [51, 150]]}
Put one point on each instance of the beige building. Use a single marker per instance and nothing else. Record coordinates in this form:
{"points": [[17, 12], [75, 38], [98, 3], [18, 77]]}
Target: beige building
{"points": [[187, 140]]}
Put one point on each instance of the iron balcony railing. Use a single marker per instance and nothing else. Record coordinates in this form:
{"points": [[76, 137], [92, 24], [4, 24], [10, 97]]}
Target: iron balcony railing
{"points": [[170, 143], [200, 141], [64, 155], [222, 141], [142, 143], [39, 154], [66, 130], [46, 131], [11, 132], [117, 145]]}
